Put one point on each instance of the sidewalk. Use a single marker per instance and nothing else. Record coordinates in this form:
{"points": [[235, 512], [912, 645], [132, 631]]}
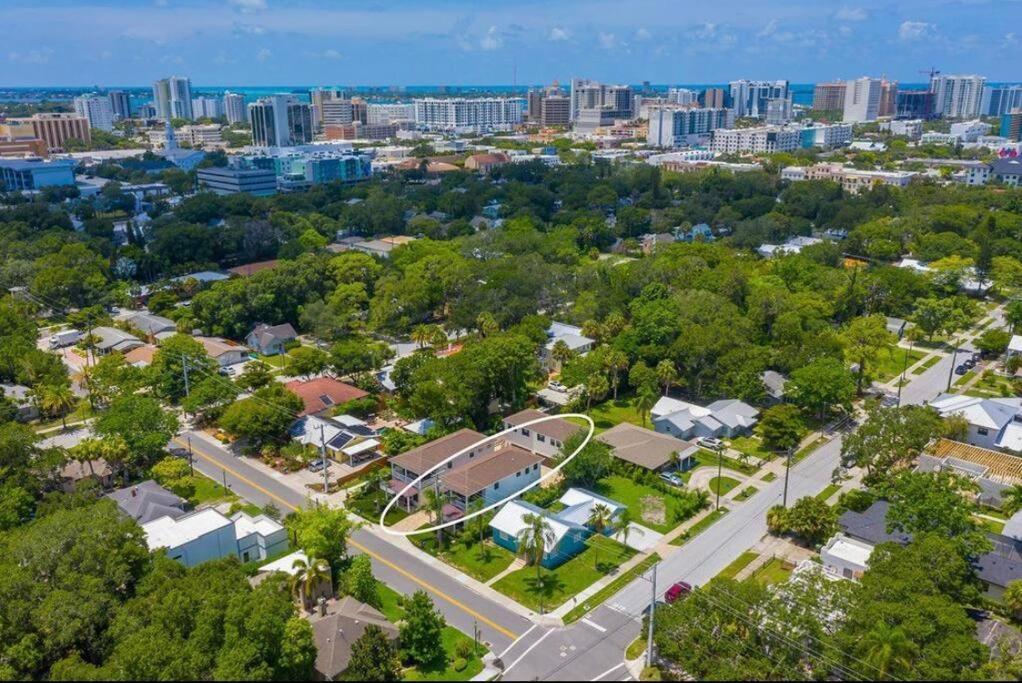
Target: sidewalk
{"points": [[597, 586]]}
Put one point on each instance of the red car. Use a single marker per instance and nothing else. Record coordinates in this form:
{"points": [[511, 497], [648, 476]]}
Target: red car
{"points": [[678, 590]]}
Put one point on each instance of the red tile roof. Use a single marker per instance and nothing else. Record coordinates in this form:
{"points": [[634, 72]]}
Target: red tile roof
{"points": [[323, 392]]}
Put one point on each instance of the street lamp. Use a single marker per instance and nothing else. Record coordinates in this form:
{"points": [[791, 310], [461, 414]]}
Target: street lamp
{"points": [[951, 370], [720, 458]]}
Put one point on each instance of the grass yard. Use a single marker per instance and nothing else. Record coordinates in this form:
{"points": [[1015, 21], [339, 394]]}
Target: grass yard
{"points": [[612, 412], [808, 450], [699, 527], [735, 568], [370, 506], [722, 485], [451, 638], [930, 362], [962, 380], [637, 647], [828, 492], [992, 385], [631, 494], [481, 562], [597, 598], [891, 361], [769, 476], [601, 557], [208, 491], [753, 447], [747, 493], [992, 525], [771, 573], [707, 458]]}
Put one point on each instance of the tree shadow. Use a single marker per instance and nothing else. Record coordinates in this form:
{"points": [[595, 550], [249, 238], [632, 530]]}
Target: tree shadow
{"points": [[545, 587]]}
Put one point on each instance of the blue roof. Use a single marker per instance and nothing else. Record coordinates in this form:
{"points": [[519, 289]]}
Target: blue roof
{"points": [[34, 164]]}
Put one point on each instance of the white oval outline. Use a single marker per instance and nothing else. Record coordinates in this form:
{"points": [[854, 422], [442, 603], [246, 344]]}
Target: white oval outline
{"points": [[444, 525]]}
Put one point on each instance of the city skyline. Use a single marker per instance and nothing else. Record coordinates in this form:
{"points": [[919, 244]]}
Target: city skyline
{"points": [[254, 42]]}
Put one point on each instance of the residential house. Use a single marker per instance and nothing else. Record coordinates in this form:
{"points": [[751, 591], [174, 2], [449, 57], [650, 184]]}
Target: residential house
{"points": [[253, 268], [75, 471], [570, 335], [1014, 345], [794, 245], [146, 501], [995, 569], [845, 557], [141, 356], [651, 241], [649, 449], [223, 351], [322, 394], [343, 437], [152, 326], [485, 163], [270, 340], [994, 423], [579, 505], [336, 625], [406, 467], [721, 419], [700, 232], [206, 534], [546, 438], [21, 397], [489, 477], [110, 339], [993, 472], [773, 385], [1007, 171]]}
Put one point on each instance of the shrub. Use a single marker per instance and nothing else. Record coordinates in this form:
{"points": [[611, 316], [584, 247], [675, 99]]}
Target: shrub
{"points": [[464, 649], [460, 663]]}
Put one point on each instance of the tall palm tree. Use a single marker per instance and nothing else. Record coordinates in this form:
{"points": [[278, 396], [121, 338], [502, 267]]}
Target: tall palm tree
{"points": [[533, 542], [624, 526], [57, 399], [600, 518], [667, 374], [644, 404], [435, 506], [437, 337], [1011, 500], [421, 335], [887, 649], [307, 577], [487, 324], [615, 362], [596, 389], [561, 352]]}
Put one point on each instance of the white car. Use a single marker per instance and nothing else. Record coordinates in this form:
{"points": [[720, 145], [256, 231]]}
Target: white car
{"points": [[710, 442], [557, 386]]}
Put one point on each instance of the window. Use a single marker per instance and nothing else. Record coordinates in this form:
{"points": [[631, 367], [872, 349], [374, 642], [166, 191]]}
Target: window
{"points": [[450, 465], [541, 438], [496, 486], [518, 474], [525, 432], [982, 431]]}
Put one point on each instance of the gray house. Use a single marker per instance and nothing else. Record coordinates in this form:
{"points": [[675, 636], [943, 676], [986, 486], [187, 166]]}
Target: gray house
{"points": [[270, 340]]}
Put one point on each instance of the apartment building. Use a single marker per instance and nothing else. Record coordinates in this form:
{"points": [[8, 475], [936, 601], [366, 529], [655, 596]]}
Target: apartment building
{"points": [[460, 114], [761, 140], [54, 129], [673, 126], [829, 96], [172, 98], [750, 98], [851, 180], [957, 97], [97, 109]]}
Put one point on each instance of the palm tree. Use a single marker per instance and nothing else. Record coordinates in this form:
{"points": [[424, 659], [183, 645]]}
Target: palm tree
{"points": [[887, 648], [561, 352], [487, 324], [1011, 500], [624, 526], [600, 517], [596, 388], [667, 374], [533, 542], [644, 404], [421, 335], [57, 399], [473, 507], [437, 337], [435, 506], [307, 577], [614, 363]]}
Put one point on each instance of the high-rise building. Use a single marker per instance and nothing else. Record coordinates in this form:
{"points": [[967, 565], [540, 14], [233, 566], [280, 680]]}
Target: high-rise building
{"points": [[862, 99], [829, 96], [913, 104], [674, 126], [468, 114], [888, 97], [750, 98], [779, 111], [682, 96], [208, 107], [714, 98], [1001, 100], [120, 102], [555, 110], [385, 114], [234, 108], [318, 97], [96, 109], [340, 112], [1011, 125], [172, 98], [280, 121], [54, 129], [957, 97], [147, 111], [534, 105], [611, 101]]}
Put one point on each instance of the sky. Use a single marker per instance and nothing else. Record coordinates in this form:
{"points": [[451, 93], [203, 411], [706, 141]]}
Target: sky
{"points": [[448, 42]]}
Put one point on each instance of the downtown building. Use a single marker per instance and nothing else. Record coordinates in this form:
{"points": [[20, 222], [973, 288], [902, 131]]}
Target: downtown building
{"points": [[829, 96], [957, 97], [234, 108], [862, 99], [120, 103], [207, 107], [1001, 100], [53, 129], [673, 126], [595, 104], [762, 140], [172, 98], [751, 98], [387, 114], [459, 114], [280, 121], [97, 109], [914, 104]]}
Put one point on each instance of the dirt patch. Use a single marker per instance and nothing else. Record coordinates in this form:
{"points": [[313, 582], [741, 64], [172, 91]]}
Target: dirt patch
{"points": [[654, 510]]}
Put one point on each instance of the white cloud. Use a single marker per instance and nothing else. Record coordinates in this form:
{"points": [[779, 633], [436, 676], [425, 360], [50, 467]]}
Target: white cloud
{"points": [[916, 30], [249, 29], [332, 54], [768, 30], [608, 41], [643, 34], [851, 14], [557, 34], [706, 30], [490, 41], [41, 56], [249, 5], [263, 55]]}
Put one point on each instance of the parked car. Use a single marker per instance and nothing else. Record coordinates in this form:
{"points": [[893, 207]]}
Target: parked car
{"points": [[969, 363], [977, 356], [317, 465], [889, 401], [710, 442], [557, 386], [178, 451], [672, 478], [678, 590], [961, 369]]}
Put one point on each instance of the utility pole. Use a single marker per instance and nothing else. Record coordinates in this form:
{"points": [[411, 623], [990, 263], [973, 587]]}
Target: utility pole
{"points": [[787, 470], [951, 370], [720, 458], [475, 636], [184, 367], [191, 468], [904, 369], [224, 473], [322, 459], [652, 609]]}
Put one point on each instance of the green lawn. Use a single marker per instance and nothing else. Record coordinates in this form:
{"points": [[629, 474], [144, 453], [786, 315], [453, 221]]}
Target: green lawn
{"points": [[963, 379], [771, 573], [707, 458], [610, 589], [637, 647], [609, 413], [992, 385], [481, 562], [631, 494], [208, 491], [451, 637], [601, 556], [752, 446], [769, 476], [930, 362], [747, 493], [371, 505], [808, 450], [722, 485], [891, 361], [828, 492], [699, 527], [991, 525], [733, 569]]}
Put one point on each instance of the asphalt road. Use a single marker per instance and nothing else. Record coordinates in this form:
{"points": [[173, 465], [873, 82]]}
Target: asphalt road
{"points": [[463, 607]]}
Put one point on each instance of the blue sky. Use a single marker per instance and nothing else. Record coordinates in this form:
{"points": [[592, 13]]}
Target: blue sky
{"points": [[342, 42]]}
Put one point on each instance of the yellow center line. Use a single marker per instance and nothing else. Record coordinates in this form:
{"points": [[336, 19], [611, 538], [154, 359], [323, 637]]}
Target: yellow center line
{"points": [[454, 601]]}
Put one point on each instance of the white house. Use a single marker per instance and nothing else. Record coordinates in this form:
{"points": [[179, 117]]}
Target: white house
{"points": [[206, 534], [846, 557], [994, 423], [722, 419], [570, 335], [546, 438], [1015, 345], [223, 351]]}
